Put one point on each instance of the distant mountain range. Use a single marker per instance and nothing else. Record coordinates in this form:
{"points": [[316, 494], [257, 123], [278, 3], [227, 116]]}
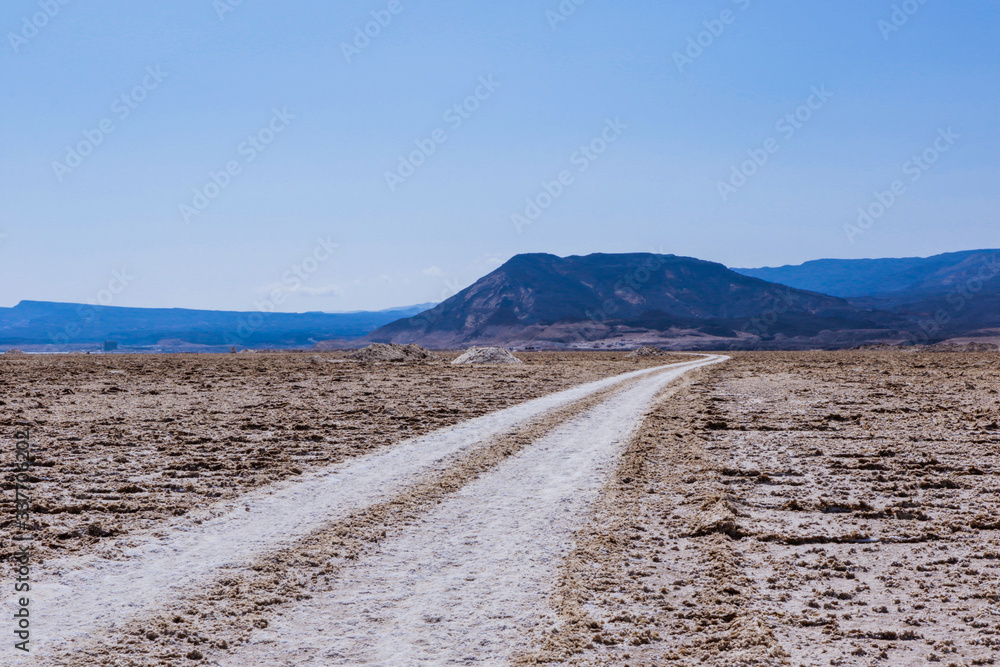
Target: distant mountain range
{"points": [[878, 277], [70, 326], [953, 295], [598, 301]]}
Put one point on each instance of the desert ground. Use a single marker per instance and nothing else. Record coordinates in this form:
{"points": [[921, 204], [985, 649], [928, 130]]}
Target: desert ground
{"points": [[582, 508]]}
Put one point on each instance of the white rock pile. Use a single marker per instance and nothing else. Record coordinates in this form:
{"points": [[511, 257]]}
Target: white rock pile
{"points": [[487, 355]]}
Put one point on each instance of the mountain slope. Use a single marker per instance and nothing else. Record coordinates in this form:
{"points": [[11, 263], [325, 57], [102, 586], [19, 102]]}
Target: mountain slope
{"points": [[945, 296], [544, 298], [875, 277]]}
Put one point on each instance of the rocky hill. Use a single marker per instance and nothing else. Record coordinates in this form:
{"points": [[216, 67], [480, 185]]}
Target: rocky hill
{"points": [[612, 299]]}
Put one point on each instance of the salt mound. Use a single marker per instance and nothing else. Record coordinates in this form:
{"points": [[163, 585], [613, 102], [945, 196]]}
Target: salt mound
{"points": [[14, 351], [487, 355], [391, 352], [647, 351]]}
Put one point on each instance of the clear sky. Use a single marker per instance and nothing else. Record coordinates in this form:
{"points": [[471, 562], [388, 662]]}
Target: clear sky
{"points": [[246, 138]]}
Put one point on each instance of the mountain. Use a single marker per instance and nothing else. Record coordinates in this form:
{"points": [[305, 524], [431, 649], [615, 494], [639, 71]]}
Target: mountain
{"points": [[953, 295], [541, 299], [960, 299], [599, 301], [877, 277], [66, 324]]}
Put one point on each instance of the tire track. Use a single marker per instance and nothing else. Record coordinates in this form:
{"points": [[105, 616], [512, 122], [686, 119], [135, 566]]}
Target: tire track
{"points": [[471, 579], [78, 595]]}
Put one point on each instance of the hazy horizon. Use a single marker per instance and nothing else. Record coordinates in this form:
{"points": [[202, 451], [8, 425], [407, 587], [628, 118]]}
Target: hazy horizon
{"points": [[429, 304]]}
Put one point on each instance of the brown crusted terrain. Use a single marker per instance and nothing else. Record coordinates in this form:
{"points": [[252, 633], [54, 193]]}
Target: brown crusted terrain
{"points": [[798, 509], [779, 509], [122, 442]]}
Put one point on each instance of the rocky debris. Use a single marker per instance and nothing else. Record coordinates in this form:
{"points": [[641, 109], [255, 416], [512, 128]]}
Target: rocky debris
{"points": [[391, 352], [718, 515], [647, 351], [487, 355]]}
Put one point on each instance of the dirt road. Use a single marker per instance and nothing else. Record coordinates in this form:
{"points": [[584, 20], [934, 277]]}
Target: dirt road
{"points": [[470, 582], [476, 567]]}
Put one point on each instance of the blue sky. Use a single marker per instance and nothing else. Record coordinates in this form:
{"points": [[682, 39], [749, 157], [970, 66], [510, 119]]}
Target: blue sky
{"points": [[292, 136]]}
